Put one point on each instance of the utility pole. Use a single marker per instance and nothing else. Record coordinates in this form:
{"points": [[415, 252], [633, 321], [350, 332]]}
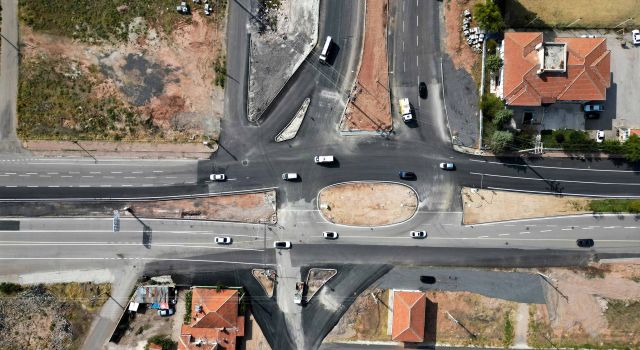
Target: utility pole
{"points": [[90, 155], [473, 336]]}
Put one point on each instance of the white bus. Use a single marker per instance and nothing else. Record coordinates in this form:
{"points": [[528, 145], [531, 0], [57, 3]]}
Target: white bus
{"points": [[325, 50]]}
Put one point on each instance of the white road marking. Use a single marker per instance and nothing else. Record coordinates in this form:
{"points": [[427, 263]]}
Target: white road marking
{"points": [[629, 227], [32, 186], [44, 175], [545, 231], [404, 66], [116, 172], [53, 173], [10, 173], [504, 234], [555, 193], [610, 226], [483, 236], [74, 172], [158, 171], [402, 45], [417, 42], [136, 172], [417, 20], [23, 175], [126, 185], [149, 259], [417, 61], [31, 173], [587, 228], [567, 229], [88, 176], [523, 232], [53, 186], [557, 180], [129, 177], [554, 167], [403, 26], [174, 244]]}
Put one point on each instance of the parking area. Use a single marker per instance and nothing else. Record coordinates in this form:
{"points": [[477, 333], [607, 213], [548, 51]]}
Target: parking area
{"points": [[622, 107]]}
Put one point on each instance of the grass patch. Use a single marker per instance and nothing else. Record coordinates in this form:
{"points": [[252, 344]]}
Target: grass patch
{"points": [[163, 340], [91, 296], [220, 68], [509, 331], [569, 140], [56, 100], [615, 206], [623, 315], [187, 307]]}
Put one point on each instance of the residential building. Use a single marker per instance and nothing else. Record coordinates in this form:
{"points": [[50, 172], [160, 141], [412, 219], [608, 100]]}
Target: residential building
{"points": [[569, 70], [409, 312], [215, 322]]}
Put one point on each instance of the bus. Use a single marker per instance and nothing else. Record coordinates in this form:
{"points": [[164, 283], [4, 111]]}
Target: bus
{"points": [[325, 50]]}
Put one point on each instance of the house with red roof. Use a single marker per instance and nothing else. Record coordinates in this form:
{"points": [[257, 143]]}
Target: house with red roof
{"points": [[537, 73], [215, 320], [409, 312]]}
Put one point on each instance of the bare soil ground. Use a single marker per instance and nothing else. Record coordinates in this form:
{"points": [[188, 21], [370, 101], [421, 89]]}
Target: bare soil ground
{"points": [[53, 316], [489, 206], [120, 149], [368, 203], [461, 54], [254, 338], [316, 279], [366, 319], [600, 309], [145, 325], [250, 207], [369, 107], [167, 82], [578, 13], [266, 278]]}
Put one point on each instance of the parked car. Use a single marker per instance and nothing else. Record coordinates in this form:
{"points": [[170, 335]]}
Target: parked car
{"points": [[330, 235], [593, 107], [282, 244], [407, 175], [428, 279], [635, 36], [422, 89], [585, 243], [418, 234], [447, 166], [290, 176], [223, 240], [166, 312], [599, 136], [217, 177], [592, 115]]}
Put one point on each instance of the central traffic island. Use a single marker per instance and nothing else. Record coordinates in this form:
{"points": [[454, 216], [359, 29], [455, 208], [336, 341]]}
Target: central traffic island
{"points": [[367, 203]]}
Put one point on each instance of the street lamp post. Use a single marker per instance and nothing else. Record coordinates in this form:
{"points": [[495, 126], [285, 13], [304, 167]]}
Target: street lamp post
{"points": [[90, 155]]}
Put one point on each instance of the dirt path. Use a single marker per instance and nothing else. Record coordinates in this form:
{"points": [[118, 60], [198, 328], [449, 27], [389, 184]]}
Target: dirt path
{"points": [[481, 206], [369, 106], [522, 325], [368, 203]]}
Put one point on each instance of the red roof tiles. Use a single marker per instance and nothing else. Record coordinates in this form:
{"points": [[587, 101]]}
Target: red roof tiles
{"points": [[409, 311], [586, 78]]}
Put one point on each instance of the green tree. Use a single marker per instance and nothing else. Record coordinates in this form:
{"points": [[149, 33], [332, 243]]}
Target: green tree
{"points": [[488, 16], [631, 148], [502, 117], [490, 105], [494, 63], [500, 141]]}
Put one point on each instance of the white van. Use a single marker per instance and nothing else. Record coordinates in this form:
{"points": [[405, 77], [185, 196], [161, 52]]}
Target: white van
{"points": [[325, 50], [290, 176], [323, 159]]}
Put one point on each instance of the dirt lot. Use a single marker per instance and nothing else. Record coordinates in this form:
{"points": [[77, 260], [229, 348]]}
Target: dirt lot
{"points": [[578, 13], [490, 206], [53, 316], [369, 106], [601, 308], [254, 338], [266, 278], [250, 207], [145, 325], [150, 86], [365, 319], [461, 54], [316, 279], [378, 203]]}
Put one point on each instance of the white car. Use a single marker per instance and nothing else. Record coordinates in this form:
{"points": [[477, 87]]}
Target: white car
{"points": [[217, 177], [447, 166], [599, 136], [282, 244], [418, 234], [290, 176], [223, 240], [330, 235], [635, 36], [323, 159]]}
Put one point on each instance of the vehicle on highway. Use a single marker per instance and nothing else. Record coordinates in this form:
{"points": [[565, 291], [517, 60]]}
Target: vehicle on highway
{"points": [[593, 107], [323, 159], [599, 136], [330, 235], [405, 110], [585, 242], [282, 244], [447, 166], [217, 177], [418, 234], [290, 176], [165, 312], [428, 279], [635, 36], [422, 90], [223, 240], [407, 175], [325, 50]]}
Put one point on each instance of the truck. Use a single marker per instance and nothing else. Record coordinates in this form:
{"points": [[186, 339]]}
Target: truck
{"points": [[299, 294], [323, 159], [405, 110]]}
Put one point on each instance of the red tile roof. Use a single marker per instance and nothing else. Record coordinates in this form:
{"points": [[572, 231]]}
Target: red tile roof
{"points": [[409, 311], [587, 75], [217, 325]]}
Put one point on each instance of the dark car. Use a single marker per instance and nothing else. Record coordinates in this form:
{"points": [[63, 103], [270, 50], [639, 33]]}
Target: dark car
{"points": [[585, 243], [591, 115], [407, 175], [422, 89], [428, 279]]}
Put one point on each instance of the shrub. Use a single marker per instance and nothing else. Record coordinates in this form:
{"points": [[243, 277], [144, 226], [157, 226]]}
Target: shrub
{"points": [[9, 288], [612, 146], [501, 141], [187, 307], [488, 16], [631, 148], [490, 105], [163, 340], [502, 117], [494, 63]]}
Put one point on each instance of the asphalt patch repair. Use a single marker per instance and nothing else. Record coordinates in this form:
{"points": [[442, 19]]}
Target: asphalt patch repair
{"points": [[367, 203], [247, 207]]}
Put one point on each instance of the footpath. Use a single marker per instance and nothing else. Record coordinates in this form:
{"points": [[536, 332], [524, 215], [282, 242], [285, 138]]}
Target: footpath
{"points": [[120, 149]]}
